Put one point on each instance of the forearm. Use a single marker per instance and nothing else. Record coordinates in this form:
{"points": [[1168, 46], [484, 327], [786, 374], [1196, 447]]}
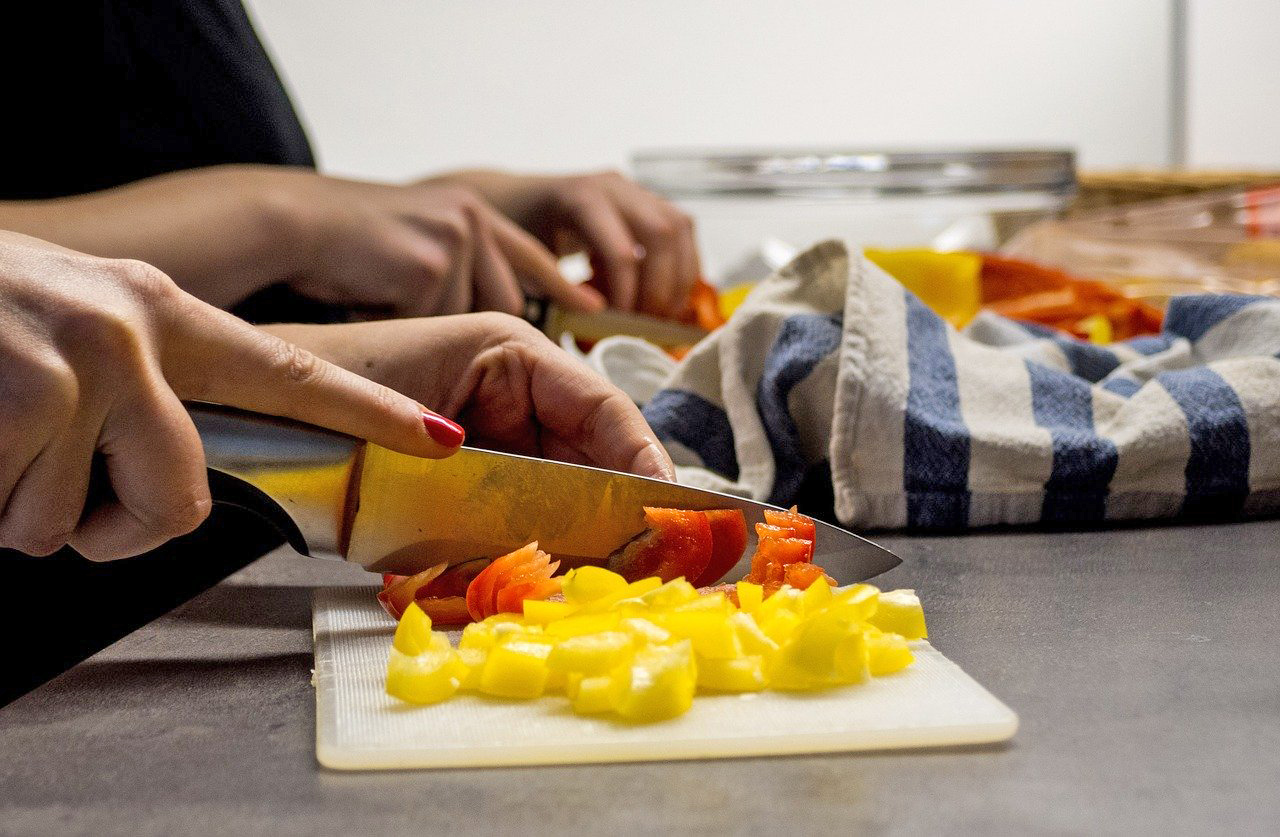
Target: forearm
{"points": [[221, 233]]}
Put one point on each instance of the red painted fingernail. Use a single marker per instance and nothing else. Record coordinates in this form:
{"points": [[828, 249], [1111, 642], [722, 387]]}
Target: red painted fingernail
{"points": [[443, 431]]}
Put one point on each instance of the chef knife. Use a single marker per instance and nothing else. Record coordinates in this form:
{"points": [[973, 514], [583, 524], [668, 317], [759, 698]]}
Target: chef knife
{"points": [[336, 496]]}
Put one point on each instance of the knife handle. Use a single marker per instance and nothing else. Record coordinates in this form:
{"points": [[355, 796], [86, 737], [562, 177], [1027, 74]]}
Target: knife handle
{"points": [[296, 476]]}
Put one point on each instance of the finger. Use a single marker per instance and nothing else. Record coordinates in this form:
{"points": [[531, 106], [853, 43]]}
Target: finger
{"points": [[610, 245], [609, 432], [155, 463], [659, 280], [688, 263], [494, 282], [46, 504], [539, 267], [222, 359], [437, 274]]}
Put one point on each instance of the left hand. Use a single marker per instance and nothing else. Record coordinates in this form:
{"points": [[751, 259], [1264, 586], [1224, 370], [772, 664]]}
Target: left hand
{"points": [[504, 381], [641, 247]]}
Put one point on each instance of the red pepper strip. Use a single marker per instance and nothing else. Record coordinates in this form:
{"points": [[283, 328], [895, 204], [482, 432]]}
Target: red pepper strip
{"points": [[446, 610], [396, 598], [801, 576], [728, 542], [482, 592], [678, 543], [511, 599]]}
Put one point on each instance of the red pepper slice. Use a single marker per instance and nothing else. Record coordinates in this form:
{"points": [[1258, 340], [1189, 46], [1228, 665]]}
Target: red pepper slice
{"points": [[677, 543], [728, 542], [801, 576], [395, 598], [446, 610]]}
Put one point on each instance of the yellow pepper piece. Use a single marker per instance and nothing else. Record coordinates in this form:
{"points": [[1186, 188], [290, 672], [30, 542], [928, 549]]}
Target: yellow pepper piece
{"points": [[413, 632], [887, 653], [593, 695], [808, 660], [745, 674], [816, 597], [516, 669], [1097, 329], [949, 283], [540, 612], [634, 590], [711, 632], [856, 603], [657, 684], [900, 613], [780, 626], [429, 677], [675, 592], [786, 599], [473, 659], [749, 596], [754, 641], [644, 631], [581, 624], [485, 634], [591, 653], [586, 584]]}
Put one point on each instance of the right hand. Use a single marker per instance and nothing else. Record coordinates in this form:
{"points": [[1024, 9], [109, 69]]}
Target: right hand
{"points": [[421, 249], [96, 356]]}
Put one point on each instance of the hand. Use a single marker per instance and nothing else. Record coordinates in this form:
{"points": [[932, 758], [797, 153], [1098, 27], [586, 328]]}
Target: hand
{"points": [[422, 249], [641, 247], [225, 232], [510, 386], [95, 355]]}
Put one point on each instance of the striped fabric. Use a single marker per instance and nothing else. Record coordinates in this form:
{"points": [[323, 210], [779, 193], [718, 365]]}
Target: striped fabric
{"points": [[835, 388]]}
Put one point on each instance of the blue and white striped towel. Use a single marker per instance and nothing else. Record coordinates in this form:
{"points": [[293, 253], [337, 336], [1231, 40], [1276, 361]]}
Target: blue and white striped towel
{"points": [[836, 388]]}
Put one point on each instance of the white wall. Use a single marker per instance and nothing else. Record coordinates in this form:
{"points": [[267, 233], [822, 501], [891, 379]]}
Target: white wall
{"points": [[1233, 83], [394, 88]]}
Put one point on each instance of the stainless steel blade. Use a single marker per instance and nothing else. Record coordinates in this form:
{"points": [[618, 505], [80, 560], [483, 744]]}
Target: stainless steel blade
{"points": [[413, 513]]}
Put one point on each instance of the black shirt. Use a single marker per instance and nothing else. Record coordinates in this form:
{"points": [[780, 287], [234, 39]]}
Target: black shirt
{"points": [[179, 85]]}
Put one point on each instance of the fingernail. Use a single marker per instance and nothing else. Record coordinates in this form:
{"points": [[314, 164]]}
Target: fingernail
{"points": [[443, 431]]}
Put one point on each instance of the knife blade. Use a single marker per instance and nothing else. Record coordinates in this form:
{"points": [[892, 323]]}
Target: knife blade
{"points": [[389, 512]]}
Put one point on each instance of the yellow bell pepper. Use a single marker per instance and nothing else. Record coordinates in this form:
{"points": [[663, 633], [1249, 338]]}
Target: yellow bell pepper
{"points": [[543, 612], [586, 584], [887, 653], [750, 596], [899, 612], [597, 653], [657, 684], [593, 695], [745, 674], [516, 669], [428, 677]]}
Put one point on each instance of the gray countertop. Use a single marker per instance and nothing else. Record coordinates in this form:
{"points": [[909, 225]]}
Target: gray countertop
{"points": [[1144, 665]]}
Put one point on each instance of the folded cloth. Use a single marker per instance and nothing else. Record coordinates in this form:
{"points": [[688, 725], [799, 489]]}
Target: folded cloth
{"points": [[835, 388]]}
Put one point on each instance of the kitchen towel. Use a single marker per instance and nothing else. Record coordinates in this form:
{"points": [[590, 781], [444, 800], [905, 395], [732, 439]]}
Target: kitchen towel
{"points": [[834, 387]]}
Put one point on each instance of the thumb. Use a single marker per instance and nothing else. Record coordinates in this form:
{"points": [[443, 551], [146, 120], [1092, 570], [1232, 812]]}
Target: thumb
{"points": [[223, 359]]}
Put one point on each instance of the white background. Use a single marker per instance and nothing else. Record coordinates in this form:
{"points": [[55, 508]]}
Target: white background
{"points": [[396, 88]]}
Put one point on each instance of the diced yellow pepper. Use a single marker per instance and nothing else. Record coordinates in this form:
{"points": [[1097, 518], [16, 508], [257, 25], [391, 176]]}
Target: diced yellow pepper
{"points": [[745, 674], [852, 659], [675, 592], [710, 631], [657, 684], [780, 626], [586, 584], [593, 695], [717, 603], [816, 597], [900, 613], [808, 659], [541, 612], [644, 631], [581, 624], [887, 653], [485, 634], [473, 659], [516, 669], [634, 590], [857, 602], [754, 641], [429, 677], [414, 634], [591, 653], [749, 596], [786, 599]]}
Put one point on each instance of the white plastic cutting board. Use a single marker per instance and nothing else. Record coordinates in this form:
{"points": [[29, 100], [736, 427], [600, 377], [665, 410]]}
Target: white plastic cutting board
{"points": [[359, 727]]}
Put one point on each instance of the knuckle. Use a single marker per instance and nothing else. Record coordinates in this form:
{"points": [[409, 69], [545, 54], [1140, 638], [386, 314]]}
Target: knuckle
{"points": [[435, 264], [146, 281], [295, 364], [36, 541], [105, 331], [182, 516]]}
